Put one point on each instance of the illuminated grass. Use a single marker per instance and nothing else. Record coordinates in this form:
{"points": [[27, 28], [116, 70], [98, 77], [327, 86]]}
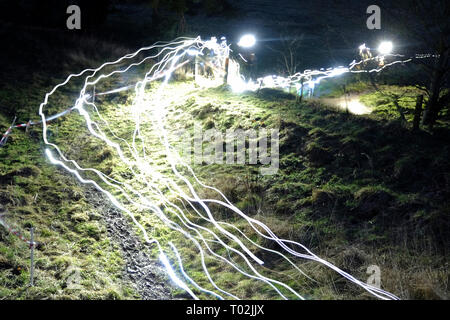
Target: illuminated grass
{"points": [[308, 201]]}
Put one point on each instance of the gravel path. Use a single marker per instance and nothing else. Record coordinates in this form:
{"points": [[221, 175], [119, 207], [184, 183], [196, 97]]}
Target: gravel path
{"points": [[146, 274]]}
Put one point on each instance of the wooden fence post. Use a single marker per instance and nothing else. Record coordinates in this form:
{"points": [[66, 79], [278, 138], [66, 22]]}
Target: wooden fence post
{"points": [[417, 113]]}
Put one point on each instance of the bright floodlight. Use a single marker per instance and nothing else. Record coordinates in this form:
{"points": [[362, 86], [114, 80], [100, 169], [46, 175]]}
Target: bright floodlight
{"points": [[247, 41], [385, 47]]}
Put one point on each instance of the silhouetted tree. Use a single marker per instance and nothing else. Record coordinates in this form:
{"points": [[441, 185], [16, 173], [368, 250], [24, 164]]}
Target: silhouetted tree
{"points": [[287, 49], [426, 27]]}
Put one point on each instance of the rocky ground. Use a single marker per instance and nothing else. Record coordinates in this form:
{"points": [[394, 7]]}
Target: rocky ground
{"points": [[145, 274]]}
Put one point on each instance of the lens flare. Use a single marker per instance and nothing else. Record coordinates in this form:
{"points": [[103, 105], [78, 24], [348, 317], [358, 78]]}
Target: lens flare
{"points": [[247, 41], [385, 47]]}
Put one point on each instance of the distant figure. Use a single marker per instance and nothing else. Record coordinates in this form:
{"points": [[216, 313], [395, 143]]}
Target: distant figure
{"points": [[364, 52], [223, 43], [366, 57], [225, 52]]}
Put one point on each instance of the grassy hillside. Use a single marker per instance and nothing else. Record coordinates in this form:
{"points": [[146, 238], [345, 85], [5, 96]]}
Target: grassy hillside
{"points": [[75, 259], [357, 190]]}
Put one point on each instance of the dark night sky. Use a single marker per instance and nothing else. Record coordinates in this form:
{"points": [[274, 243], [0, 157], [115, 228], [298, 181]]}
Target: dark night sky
{"points": [[331, 30]]}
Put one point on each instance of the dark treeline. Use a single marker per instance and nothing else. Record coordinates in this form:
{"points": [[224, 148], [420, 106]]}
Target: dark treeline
{"points": [[52, 13]]}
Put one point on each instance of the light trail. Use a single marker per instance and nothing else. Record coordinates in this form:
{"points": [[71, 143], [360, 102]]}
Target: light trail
{"points": [[152, 191], [311, 78], [180, 263]]}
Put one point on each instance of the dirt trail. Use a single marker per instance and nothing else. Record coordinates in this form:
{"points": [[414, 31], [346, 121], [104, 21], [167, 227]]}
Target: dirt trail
{"points": [[350, 101], [146, 274]]}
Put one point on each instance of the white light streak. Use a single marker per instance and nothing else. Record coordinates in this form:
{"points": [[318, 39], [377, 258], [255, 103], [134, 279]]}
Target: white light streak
{"points": [[174, 199], [174, 277]]}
